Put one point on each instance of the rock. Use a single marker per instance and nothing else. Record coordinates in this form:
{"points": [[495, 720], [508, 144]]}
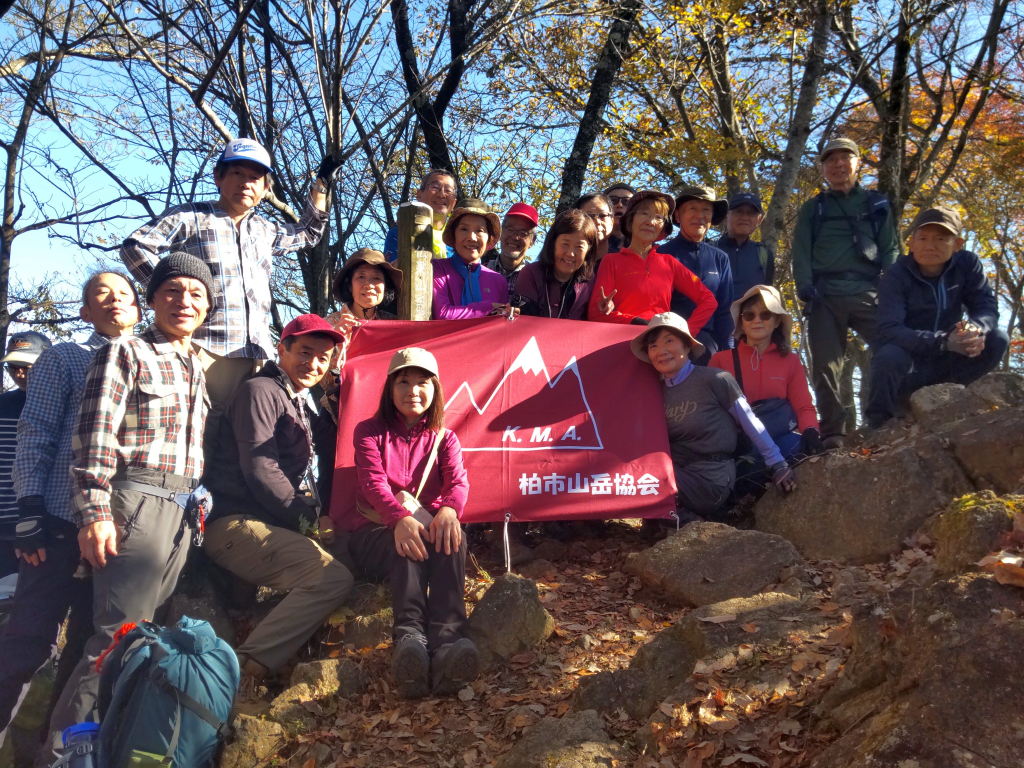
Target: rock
{"points": [[861, 508], [666, 662], [990, 447], [1000, 389], [941, 404], [343, 677], [204, 608], [288, 709], [576, 740], [551, 550], [253, 742], [509, 619], [970, 528], [537, 569], [854, 585], [587, 642], [932, 681], [707, 563], [369, 631]]}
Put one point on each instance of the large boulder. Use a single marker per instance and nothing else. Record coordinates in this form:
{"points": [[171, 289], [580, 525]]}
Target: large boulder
{"points": [[941, 404], [933, 680], [254, 740], [577, 740], [509, 619], [990, 447], [970, 528], [707, 563], [859, 507]]}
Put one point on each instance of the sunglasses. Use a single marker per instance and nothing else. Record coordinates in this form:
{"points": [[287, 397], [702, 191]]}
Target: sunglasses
{"points": [[750, 315]]}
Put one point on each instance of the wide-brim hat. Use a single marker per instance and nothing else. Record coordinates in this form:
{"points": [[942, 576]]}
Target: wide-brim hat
{"points": [[374, 259], [772, 302], [719, 205], [665, 320], [626, 222], [413, 357], [470, 205]]}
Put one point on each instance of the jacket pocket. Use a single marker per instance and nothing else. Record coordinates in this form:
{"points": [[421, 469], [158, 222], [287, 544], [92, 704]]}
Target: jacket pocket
{"points": [[158, 402]]}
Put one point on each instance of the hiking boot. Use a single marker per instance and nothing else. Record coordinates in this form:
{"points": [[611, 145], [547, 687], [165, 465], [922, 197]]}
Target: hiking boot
{"points": [[455, 665], [834, 442], [410, 666]]}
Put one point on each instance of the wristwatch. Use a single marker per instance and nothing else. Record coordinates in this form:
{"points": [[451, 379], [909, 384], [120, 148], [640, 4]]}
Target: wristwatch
{"points": [[319, 186]]}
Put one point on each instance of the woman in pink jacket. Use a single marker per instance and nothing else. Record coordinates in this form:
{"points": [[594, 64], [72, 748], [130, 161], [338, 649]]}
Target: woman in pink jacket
{"points": [[410, 494], [463, 287]]}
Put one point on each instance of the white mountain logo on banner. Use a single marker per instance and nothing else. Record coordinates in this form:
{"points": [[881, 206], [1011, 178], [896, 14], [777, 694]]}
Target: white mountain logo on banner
{"points": [[527, 413]]}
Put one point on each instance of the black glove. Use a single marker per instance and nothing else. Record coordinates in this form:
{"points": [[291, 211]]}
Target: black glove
{"points": [[328, 167], [783, 478], [30, 533], [812, 442], [808, 293], [639, 321]]}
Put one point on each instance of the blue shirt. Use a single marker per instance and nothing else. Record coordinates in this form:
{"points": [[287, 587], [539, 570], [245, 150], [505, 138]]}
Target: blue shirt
{"points": [[745, 262], [711, 265], [11, 404], [55, 385]]}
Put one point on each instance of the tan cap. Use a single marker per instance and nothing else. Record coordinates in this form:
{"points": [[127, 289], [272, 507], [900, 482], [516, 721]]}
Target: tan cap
{"points": [[665, 320], [941, 216], [374, 259], [413, 357], [848, 144], [719, 205], [477, 207], [773, 303]]}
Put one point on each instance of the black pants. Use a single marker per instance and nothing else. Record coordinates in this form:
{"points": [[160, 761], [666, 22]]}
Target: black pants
{"points": [[44, 594], [427, 598], [710, 348], [895, 374]]}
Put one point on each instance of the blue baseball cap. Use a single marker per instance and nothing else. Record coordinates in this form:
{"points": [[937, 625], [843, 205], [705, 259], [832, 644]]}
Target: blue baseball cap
{"points": [[245, 149], [745, 198]]}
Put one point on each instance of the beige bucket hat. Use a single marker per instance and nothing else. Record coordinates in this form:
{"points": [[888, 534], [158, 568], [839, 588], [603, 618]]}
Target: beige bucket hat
{"points": [[374, 259], [413, 357], [665, 320], [773, 303], [477, 207]]}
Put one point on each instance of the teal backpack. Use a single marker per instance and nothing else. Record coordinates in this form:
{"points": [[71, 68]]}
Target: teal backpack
{"points": [[165, 696]]}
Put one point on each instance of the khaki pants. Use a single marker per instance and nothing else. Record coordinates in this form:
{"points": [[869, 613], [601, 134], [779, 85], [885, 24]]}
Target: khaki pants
{"points": [[282, 560]]}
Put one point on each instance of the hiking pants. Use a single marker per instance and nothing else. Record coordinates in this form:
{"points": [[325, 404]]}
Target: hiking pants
{"points": [[704, 486], [284, 560], [896, 374], [427, 598], [151, 552], [828, 325], [43, 596]]}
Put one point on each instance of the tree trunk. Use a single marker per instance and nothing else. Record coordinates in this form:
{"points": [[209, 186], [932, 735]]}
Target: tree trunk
{"points": [[799, 127], [608, 65], [892, 147]]}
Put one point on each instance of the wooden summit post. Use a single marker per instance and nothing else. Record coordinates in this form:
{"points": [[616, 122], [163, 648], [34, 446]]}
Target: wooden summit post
{"points": [[415, 254]]}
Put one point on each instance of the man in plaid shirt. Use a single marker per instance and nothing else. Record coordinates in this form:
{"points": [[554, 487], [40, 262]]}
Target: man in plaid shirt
{"points": [[47, 534], [240, 248], [138, 456]]}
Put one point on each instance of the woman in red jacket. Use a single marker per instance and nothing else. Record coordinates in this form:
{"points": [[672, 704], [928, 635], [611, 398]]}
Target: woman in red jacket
{"points": [[636, 283], [410, 494], [770, 375]]}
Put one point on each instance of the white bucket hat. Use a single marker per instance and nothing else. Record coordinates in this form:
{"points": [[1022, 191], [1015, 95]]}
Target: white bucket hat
{"points": [[413, 357], [665, 320], [773, 303]]}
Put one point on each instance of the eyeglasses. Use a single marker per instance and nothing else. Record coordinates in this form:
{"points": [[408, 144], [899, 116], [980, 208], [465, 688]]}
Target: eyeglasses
{"points": [[599, 216], [440, 189], [620, 199], [750, 315], [517, 232], [654, 218]]}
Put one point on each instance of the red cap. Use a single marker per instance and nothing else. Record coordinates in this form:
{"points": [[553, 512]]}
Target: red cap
{"points": [[524, 210], [303, 325]]}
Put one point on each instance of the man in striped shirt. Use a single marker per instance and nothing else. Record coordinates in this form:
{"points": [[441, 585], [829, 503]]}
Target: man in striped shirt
{"points": [[137, 457], [23, 349], [47, 535]]}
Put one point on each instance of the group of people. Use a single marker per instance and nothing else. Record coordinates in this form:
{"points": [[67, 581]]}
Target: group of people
{"points": [[120, 444]]}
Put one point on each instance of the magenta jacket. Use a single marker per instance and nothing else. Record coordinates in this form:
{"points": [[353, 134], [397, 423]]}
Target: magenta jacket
{"points": [[448, 292], [391, 458]]}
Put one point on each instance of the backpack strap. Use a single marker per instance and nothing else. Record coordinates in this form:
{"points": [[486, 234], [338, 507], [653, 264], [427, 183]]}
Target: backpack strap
{"points": [[817, 217], [736, 366], [159, 677]]}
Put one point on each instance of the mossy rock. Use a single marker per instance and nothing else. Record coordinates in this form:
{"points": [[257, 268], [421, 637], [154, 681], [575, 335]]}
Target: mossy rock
{"points": [[971, 527]]}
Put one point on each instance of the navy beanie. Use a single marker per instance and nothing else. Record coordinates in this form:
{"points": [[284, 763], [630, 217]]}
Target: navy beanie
{"points": [[180, 264]]}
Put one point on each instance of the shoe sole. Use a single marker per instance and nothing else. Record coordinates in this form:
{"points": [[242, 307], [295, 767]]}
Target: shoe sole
{"points": [[460, 668], [410, 672]]}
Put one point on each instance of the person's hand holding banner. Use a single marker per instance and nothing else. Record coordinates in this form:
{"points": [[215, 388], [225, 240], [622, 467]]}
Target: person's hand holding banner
{"points": [[445, 527], [409, 539], [606, 305]]}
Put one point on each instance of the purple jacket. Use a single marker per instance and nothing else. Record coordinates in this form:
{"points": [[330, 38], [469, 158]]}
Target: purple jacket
{"points": [[448, 292], [544, 296], [392, 458]]}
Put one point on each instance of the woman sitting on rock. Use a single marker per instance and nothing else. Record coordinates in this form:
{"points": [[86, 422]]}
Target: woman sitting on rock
{"points": [[410, 493], [558, 283], [772, 380], [703, 406], [463, 287]]}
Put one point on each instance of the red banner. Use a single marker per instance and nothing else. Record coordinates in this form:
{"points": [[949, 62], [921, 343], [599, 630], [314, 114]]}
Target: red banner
{"points": [[557, 419]]}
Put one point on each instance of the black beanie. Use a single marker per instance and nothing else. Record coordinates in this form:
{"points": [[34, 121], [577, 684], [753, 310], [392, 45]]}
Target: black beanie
{"points": [[180, 264]]}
